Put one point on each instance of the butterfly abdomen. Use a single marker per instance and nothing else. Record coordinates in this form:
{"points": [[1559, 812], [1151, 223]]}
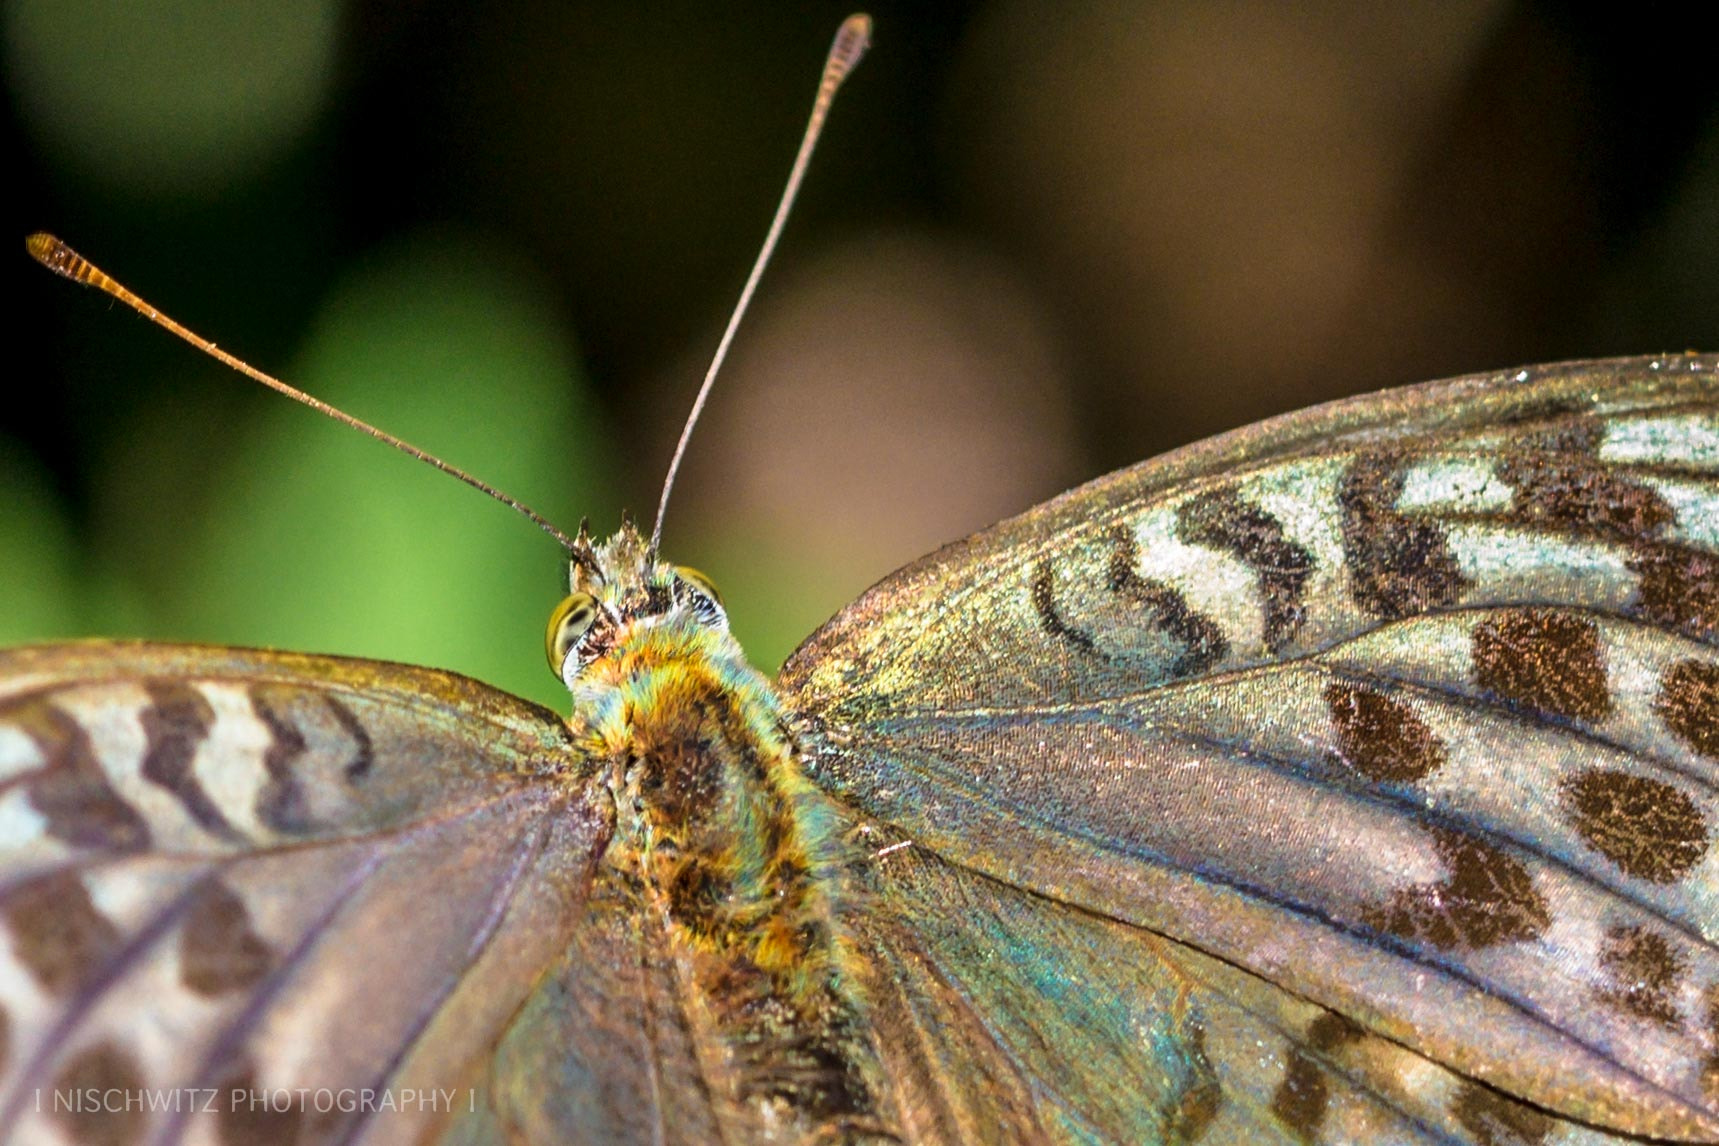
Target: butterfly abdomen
{"points": [[721, 839]]}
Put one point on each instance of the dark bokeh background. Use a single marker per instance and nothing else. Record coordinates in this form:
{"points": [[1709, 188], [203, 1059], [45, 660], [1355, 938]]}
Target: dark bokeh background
{"points": [[1042, 240]]}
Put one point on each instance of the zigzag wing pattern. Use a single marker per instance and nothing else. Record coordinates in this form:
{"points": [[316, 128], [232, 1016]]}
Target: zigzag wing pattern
{"points": [[1385, 737], [256, 897]]}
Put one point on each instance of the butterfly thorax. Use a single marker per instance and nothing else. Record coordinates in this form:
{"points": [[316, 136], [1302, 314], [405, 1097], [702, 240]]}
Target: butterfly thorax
{"points": [[720, 840]]}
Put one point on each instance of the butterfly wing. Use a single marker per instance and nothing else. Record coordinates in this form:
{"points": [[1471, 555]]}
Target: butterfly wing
{"points": [[1405, 709], [250, 896], [1008, 1017]]}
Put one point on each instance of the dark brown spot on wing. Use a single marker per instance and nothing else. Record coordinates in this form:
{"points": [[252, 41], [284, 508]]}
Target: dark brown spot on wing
{"points": [[254, 1116], [281, 802], [1645, 971], [1543, 661], [1222, 520], [72, 792], [1398, 566], [1302, 1096], [105, 1089], [1201, 637], [1201, 1098], [1688, 702], [1577, 493], [1648, 828], [363, 753], [57, 932], [218, 949], [1330, 1031], [1044, 603], [1300, 1099], [1678, 588], [1487, 898], [175, 724], [1498, 1120], [1380, 738], [1564, 414]]}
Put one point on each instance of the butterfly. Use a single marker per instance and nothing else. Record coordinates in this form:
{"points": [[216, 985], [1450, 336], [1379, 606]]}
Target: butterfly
{"points": [[1344, 778], [1349, 777]]}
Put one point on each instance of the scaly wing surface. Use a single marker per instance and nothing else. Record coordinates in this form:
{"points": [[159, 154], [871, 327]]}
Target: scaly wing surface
{"points": [[260, 897], [1348, 777]]}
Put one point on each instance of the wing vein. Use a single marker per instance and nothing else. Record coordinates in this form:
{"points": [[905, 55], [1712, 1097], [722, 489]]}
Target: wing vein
{"points": [[89, 993], [224, 1047], [508, 888]]}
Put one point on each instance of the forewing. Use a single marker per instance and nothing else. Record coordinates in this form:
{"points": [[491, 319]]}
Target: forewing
{"points": [[1406, 705], [251, 896]]}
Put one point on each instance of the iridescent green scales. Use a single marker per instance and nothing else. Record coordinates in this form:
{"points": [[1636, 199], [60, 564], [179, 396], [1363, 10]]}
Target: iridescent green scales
{"points": [[1350, 778]]}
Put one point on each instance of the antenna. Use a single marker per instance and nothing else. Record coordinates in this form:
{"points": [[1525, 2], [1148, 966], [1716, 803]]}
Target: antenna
{"points": [[852, 39], [64, 261]]}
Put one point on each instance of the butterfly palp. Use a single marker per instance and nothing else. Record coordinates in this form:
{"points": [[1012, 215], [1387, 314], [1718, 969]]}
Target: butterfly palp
{"points": [[696, 592]]}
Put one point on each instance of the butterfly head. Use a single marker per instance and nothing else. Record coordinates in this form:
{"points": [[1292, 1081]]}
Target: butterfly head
{"points": [[622, 599]]}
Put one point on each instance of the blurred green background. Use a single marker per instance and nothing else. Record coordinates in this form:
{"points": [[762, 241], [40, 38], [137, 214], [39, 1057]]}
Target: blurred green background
{"points": [[1042, 240]]}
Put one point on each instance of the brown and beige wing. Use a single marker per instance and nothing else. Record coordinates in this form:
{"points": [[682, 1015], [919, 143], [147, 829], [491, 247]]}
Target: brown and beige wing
{"points": [[1402, 711], [259, 897]]}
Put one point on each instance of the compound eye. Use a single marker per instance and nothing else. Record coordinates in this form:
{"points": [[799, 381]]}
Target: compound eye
{"points": [[698, 581], [570, 621]]}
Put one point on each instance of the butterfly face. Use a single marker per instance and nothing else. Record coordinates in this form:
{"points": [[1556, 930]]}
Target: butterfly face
{"points": [[620, 595]]}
